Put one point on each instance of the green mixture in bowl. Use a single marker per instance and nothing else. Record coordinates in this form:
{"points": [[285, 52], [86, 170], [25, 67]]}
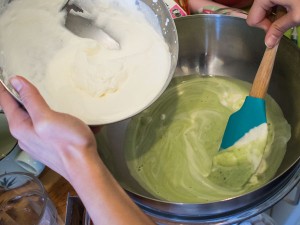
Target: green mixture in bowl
{"points": [[172, 148]]}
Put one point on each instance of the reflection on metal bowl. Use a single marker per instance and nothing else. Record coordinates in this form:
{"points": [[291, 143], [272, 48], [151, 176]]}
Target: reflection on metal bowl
{"points": [[205, 40]]}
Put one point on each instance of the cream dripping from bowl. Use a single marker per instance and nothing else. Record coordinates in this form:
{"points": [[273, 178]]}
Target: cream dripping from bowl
{"points": [[81, 76]]}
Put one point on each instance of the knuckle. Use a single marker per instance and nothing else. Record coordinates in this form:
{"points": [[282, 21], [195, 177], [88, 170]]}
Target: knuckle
{"points": [[26, 93], [251, 22], [25, 96], [42, 126], [296, 18], [15, 131], [278, 30]]}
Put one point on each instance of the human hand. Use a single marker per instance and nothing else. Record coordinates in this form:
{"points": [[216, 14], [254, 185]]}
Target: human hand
{"points": [[50, 137], [258, 16], [68, 146]]}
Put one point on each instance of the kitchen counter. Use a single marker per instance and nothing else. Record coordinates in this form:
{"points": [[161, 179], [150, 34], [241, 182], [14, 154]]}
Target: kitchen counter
{"points": [[58, 189]]}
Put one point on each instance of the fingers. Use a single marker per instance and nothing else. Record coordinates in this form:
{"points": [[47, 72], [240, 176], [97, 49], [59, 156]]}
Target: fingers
{"points": [[258, 16], [17, 117], [10, 106], [31, 99], [21, 119], [7, 102], [277, 30]]}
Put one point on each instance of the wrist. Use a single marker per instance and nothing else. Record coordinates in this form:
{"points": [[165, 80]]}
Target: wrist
{"points": [[80, 163]]}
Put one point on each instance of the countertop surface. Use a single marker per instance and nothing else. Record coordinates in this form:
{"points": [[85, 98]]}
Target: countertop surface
{"points": [[58, 189]]}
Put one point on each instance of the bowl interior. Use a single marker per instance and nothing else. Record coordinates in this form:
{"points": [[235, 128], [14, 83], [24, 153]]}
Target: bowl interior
{"points": [[236, 50], [226, 46]]}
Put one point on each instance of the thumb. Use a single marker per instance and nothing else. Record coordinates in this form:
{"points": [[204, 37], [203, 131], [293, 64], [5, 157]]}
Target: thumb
{"points": [[277, 28], [273, 36], [31, 99]]}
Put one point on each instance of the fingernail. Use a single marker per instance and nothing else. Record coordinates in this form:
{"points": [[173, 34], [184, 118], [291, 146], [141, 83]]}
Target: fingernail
{"points": [[16, 83], [271, 41]]}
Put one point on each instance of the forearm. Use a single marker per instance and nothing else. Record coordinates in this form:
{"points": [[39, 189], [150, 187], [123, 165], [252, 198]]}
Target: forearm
{"points": [[104, 199]]}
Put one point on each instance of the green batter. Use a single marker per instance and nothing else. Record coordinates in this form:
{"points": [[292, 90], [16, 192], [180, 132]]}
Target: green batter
{"points": [[172, 148]]}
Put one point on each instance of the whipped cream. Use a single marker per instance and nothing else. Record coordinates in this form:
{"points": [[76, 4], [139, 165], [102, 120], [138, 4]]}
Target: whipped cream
{"points": [[81, 76]]}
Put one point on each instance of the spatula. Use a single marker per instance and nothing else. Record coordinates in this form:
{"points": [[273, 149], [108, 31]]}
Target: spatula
{"points": [[86, 27], [253, 111]]}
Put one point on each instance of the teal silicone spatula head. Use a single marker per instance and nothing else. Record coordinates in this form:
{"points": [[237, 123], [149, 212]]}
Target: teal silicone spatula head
{"points": [[250, 115], [253, 111]]}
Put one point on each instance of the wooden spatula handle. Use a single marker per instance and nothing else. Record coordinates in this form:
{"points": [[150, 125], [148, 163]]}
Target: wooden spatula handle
{"points": [[262, 78]]}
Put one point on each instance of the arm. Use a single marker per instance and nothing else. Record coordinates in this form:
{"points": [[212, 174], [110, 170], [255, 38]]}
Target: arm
{"points": [[67, 145], [258, 16]]}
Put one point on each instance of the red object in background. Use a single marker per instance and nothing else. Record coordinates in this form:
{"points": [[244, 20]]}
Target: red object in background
{"points": [[235, 3], [184, 5]]}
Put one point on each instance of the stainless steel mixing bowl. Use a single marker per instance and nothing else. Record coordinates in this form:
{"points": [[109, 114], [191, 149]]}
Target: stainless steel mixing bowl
{"points": [[222, 45]]}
